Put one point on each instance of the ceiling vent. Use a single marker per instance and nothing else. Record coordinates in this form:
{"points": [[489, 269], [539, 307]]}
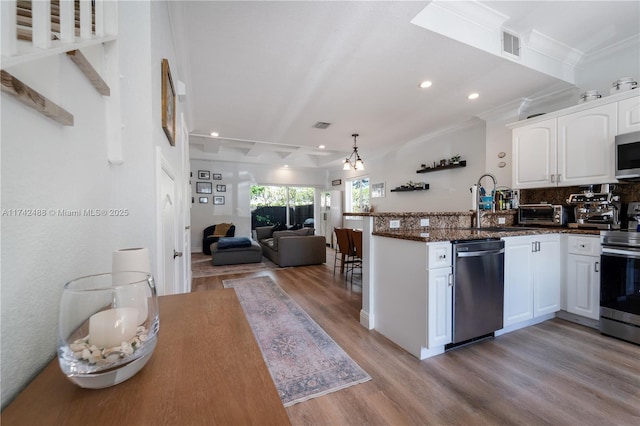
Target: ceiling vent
{"points": [[510, 44], [321, 125]]}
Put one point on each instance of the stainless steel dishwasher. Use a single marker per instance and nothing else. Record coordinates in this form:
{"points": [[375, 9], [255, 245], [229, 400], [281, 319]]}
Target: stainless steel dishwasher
{"points": [[478, 292]]}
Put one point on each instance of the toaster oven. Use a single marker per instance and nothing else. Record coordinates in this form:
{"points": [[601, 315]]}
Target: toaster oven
{"points": [[542, 214]]}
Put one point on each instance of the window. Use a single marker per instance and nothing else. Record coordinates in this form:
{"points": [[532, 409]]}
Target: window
{"points": [[286, 205], [357, 195]]}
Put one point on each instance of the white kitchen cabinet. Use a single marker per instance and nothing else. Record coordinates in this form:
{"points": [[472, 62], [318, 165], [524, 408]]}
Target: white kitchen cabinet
{"points": [[534, 155], [413, 300], [572, 147], [586, 146], [629, 115], [583, 276], [532, 277]]}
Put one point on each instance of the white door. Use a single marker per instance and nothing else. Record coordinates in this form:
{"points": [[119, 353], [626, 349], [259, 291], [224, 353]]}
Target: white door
{"points": [[518, 280], [185, 229], [167, 239], [546, 296]]}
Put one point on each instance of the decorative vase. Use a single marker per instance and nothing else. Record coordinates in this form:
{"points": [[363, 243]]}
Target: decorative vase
{"points": [[108, 327]]}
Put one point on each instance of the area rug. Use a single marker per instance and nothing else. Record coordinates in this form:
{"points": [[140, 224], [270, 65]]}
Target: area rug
{"points": [[303, 360], [201, 267]]}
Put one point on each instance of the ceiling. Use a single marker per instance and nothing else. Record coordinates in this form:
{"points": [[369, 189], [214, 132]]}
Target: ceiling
{"points": [[261, 74]]}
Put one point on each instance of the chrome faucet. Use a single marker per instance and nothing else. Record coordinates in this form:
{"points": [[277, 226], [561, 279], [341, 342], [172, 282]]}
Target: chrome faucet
{"points": [[493, 197]]}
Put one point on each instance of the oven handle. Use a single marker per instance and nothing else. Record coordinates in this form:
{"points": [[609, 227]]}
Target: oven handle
{"points": [[621, 253]]}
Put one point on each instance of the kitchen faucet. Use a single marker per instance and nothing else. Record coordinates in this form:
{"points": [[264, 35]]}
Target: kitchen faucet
{"points": [[493, 197]]}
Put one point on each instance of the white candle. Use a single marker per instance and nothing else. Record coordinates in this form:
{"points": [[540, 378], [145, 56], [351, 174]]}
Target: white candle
{"points": [[108, 329]]}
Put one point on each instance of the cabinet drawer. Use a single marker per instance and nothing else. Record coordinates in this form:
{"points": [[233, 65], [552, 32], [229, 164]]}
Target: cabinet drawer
{"points": [[585, 245], [438, 255]]}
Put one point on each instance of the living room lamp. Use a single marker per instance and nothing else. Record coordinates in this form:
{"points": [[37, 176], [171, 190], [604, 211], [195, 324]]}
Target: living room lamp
{"points": [[358, 165]]}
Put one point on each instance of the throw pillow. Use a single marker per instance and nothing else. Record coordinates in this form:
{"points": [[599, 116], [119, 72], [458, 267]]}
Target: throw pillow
{"points": [[279, 227], [221, 229]]}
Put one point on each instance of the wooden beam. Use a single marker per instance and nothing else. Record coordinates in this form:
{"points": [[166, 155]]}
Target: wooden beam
{"points": [[33, 99], [87, 69]]}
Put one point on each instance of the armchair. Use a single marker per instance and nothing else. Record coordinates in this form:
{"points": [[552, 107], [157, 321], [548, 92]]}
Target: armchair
{"points": [[213, 233]]}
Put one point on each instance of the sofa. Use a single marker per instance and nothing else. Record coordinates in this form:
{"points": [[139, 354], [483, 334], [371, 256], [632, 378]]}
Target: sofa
{"points": [[212, 234], [292, 247]]}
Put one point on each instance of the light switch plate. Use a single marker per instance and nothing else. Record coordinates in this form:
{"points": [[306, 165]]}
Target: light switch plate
{"points": [[424, 222], [394, 224], [502, 221]]}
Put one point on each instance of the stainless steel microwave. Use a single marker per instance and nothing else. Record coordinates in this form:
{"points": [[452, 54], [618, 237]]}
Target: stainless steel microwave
{"points": [[628, 156]]}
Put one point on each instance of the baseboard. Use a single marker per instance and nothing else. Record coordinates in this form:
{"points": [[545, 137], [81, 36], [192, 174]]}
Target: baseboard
{"points": [[578, 319], [366, 320], [523, 324]]}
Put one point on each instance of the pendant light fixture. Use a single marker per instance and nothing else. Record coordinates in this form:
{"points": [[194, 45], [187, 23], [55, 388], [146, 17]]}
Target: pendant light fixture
{"points": [[358, 164]]}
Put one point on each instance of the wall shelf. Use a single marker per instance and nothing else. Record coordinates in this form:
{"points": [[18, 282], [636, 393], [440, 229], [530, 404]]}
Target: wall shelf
{"points": [[401, 189], [462, 163]]}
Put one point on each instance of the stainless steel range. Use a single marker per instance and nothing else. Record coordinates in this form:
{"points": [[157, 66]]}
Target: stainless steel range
{"points": [[620, 285]]}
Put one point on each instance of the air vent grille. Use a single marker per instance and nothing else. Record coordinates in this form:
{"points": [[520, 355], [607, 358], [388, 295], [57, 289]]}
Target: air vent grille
{"points": [[321, 125], [510, 44]]}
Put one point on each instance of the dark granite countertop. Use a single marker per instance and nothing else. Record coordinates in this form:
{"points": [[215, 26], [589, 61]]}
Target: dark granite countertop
{"points": [[453, 234]]}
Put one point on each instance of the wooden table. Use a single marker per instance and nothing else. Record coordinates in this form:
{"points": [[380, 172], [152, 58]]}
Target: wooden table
{"points": [[206, 369]]}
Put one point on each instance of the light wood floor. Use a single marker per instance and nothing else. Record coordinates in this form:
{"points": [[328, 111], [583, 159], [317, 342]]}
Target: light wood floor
{"points": [[556, 373]]}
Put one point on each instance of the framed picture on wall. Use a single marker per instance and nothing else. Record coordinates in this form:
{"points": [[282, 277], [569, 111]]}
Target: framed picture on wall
{"points": [[204, 174], [204, 200], [204, 188], [377, 190], [221, 188], [217, 176], [168, 104], [218, 199]]}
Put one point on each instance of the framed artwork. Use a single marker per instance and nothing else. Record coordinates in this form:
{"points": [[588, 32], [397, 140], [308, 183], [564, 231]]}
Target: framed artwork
{"points": [[204, 174], [221, 188], [168, 104], [218, 199], [203, 188], [217, 176], [204, 200], [377, 190], [336, 182]]}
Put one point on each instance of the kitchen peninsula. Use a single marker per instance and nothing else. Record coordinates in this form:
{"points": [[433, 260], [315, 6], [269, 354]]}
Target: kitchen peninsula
{"points": [[411, 273]]}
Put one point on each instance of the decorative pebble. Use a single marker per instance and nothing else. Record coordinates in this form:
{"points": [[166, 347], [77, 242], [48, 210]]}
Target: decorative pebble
{"points": [[105, 356]]}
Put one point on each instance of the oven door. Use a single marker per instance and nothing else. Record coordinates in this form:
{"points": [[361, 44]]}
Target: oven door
{"points": [[620, 284]]}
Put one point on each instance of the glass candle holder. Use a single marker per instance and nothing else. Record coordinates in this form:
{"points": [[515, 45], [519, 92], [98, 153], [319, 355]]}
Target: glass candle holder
{"points": [[108, 327]]}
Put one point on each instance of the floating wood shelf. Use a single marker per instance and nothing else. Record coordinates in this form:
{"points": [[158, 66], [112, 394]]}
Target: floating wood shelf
{"points": [[401, 189], [462, 163]]}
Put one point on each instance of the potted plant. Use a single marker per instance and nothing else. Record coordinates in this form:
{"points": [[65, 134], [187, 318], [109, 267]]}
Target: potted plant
{"points": [[455, 159]]}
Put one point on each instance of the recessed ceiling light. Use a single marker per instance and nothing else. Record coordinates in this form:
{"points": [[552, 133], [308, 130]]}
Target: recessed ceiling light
{"points": [[215, 134], [473, 96], [321, 146], [286, 166], [425, 84]]}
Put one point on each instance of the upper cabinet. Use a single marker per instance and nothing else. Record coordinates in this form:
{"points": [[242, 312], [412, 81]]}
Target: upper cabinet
{"points": [[629, 115], [534, 155], [586, 150], [574, 146]]}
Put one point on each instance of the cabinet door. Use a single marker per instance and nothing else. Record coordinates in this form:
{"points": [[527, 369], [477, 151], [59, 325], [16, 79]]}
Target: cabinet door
{"points": [[583, 285], [518, 279], [534, 155], [629, 115], [546, 295], [586, 146], [440, 294]]}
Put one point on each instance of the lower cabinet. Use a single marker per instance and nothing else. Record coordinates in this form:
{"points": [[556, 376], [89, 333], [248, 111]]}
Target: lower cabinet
{"points": [[532, 277], [413, 302], [583, 276]]}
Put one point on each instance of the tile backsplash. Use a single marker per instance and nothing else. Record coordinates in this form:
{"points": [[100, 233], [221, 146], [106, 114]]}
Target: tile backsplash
{"points": [[628, 192]]}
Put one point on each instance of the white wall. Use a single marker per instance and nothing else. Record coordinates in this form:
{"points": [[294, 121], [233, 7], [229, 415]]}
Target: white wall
{"points": [[448, 189], [50, 167], [238, 178]]}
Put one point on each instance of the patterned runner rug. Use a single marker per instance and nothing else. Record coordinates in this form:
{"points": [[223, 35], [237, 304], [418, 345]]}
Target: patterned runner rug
{"points": [[303, 360]]}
